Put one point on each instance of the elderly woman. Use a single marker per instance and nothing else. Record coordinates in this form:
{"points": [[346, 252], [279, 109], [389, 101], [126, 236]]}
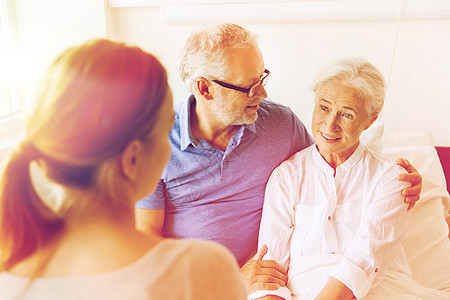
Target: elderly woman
{"points": [[338, 226]]}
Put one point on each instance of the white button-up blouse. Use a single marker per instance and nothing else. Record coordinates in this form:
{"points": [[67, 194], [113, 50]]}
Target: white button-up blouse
{"points": [[346, 224]]}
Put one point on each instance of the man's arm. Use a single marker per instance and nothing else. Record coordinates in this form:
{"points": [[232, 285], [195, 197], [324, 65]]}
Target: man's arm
{"points": [[150, 211], [149, 220], [412, 193]]}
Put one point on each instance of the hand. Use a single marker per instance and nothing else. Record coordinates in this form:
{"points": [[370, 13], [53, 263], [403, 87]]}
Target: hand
{"points": [[263, 274], [412, 193]]}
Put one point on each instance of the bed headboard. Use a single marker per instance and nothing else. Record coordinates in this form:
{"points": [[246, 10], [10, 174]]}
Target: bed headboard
{"points": [[444, 157]]}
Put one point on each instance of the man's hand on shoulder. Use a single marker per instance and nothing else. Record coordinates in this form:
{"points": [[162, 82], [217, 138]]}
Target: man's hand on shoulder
{"points": [[412, 193]]}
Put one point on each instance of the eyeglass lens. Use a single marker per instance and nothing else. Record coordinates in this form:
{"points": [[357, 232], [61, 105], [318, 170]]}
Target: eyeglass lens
{"points": [[254, 89]]}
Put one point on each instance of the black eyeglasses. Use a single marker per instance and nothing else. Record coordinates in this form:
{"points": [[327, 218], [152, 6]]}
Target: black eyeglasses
{"points": [[251, 91]]}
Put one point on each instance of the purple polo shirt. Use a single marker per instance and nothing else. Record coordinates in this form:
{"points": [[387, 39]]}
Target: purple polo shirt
{"points": [[210, 194]]}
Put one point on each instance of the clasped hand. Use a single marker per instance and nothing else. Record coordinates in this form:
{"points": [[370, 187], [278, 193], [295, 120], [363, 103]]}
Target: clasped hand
{"points": [[263, 274]]}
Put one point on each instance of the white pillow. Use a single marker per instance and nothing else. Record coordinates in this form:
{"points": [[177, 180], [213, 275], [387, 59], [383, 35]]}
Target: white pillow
{"points": [[426, 243]]}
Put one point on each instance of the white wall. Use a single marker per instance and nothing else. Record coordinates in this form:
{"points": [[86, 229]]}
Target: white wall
{"points": [[42, 30], [418, 96]]}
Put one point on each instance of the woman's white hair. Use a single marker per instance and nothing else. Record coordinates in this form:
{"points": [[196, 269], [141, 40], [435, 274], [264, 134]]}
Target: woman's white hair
{"points": [[205, 52], [356, 73]]}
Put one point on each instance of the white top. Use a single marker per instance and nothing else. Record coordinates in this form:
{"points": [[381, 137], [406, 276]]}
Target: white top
{"points": [[173, 269], [346, 225]]}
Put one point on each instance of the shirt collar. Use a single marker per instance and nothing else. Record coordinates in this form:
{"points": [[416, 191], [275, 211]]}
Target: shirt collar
{"points": [[186, 135], [251, 127], [348, 164], [353, 159]]}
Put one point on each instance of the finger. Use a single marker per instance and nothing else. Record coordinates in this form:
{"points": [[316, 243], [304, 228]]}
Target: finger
{"points": [[274, 274], [270, 279], [412, 199], [406, 165], [269, 265], [265, 267], [255, 268], [267, 280], [412, 191], [261, 252], [413, 177], [253, 275]]}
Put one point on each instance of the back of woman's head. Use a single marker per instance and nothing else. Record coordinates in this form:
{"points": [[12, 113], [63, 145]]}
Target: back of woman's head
{"points": [[205, 52], [94, 99]]}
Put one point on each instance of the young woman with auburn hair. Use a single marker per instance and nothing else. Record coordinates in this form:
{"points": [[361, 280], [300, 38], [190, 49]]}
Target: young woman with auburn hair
{"points": [[96, 143]]}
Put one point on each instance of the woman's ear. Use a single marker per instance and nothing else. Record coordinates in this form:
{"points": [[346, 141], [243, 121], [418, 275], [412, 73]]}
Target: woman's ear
{"points": [[129, 159], [203, 88]]}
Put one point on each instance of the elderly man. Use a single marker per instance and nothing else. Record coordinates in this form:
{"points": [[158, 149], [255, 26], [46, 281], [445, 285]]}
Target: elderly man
{"points": [[226, 141]]}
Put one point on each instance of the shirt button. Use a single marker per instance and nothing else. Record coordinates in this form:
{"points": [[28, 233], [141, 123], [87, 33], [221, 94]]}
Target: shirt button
{"points": [[376, 270], [329, 218]]}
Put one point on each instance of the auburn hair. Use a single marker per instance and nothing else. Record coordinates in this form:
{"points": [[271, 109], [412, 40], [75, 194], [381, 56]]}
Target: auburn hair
{"points": [[94, 99]]}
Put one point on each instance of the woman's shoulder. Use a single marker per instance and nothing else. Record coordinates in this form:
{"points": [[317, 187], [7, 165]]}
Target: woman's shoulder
{"points": [[200, 258], [384, 166], [381, 172], [296, 163], [202, 266], [207, 268]]}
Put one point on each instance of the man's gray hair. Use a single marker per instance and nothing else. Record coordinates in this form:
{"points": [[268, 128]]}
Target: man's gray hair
{"points": [[205, 52], [356, 73]]}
